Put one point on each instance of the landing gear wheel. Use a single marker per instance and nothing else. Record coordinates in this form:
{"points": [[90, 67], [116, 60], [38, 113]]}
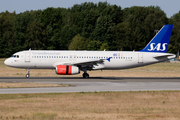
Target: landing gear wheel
{"points": [[85, 75], [27, 75]]}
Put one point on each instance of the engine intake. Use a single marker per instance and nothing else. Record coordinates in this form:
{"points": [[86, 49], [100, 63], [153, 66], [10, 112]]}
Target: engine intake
{"points": [[67, 70]]}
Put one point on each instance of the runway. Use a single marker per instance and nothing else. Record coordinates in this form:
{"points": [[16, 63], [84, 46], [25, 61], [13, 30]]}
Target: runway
{"points": [[94, 84]]}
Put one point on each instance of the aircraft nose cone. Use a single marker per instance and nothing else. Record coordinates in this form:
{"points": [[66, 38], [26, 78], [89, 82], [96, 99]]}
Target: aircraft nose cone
{"points": [[6, 62]]}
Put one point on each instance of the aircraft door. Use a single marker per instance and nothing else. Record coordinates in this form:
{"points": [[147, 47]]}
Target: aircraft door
{"points": [[140, 58], [27, 56]]}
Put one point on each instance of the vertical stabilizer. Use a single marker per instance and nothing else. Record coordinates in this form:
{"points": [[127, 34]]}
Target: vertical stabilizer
{"points": [[160, 41]]}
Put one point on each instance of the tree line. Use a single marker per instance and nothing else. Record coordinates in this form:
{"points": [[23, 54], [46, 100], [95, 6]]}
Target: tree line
{"points": [[86, 26]]}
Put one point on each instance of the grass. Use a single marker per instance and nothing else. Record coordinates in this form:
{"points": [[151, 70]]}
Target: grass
{"points": [[155, 70], [140, 105], [31, 85]]}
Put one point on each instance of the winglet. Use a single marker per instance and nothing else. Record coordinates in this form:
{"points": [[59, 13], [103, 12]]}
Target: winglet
{"points": [[109, 59]]}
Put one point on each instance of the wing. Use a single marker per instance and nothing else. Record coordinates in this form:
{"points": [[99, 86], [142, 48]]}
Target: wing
{"points": [[89, 64]]}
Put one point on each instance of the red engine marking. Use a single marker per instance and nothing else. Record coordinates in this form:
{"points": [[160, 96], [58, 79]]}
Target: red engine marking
{"points": [[70, 70], [61, 69]]}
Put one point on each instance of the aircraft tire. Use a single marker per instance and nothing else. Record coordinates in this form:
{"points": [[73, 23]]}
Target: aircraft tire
{"points": [[27, 75], [85, 75]]}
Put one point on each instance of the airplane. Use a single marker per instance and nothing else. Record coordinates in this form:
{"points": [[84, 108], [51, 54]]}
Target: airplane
{"points": [[72, 62]]}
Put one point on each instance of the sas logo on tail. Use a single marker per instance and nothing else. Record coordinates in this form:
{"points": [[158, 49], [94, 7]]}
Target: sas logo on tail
{"points": [[157, 47]]}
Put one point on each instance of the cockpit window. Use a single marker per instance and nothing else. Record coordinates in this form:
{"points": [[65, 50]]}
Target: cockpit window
{"points": [[15, 56]]}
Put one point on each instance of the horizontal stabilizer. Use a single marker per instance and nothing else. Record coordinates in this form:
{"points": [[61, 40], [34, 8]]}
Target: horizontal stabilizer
{"points": [[165, 56]]}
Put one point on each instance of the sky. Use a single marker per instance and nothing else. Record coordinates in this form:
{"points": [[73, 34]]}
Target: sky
{"points": [[170, 7]]}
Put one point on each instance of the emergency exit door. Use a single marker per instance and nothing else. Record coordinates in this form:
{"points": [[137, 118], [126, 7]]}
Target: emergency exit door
{"points": [[140, 58], [27, 57]]}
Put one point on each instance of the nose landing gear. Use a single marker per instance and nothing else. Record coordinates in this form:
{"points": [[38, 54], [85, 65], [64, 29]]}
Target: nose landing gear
{"points": [[27, 75]]}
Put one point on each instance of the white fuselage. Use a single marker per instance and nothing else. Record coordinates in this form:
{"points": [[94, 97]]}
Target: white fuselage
{"points": [[46, 59]]}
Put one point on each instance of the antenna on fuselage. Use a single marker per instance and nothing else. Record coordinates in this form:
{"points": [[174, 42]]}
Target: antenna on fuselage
{"points": [[29, 49]]}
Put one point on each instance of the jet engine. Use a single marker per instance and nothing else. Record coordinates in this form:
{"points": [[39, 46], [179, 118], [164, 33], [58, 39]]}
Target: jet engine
{"points": [[67, 70]]}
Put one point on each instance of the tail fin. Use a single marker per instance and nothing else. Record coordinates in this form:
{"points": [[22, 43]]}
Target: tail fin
{"points": [[160, 41]]}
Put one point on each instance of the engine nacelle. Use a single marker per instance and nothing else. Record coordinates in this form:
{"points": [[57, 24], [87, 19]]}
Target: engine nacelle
{"points": [[67, 70]]}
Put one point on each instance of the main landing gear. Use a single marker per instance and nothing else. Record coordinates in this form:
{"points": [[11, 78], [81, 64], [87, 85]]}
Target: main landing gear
{"points": [[27, 75], [85, 74]]}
